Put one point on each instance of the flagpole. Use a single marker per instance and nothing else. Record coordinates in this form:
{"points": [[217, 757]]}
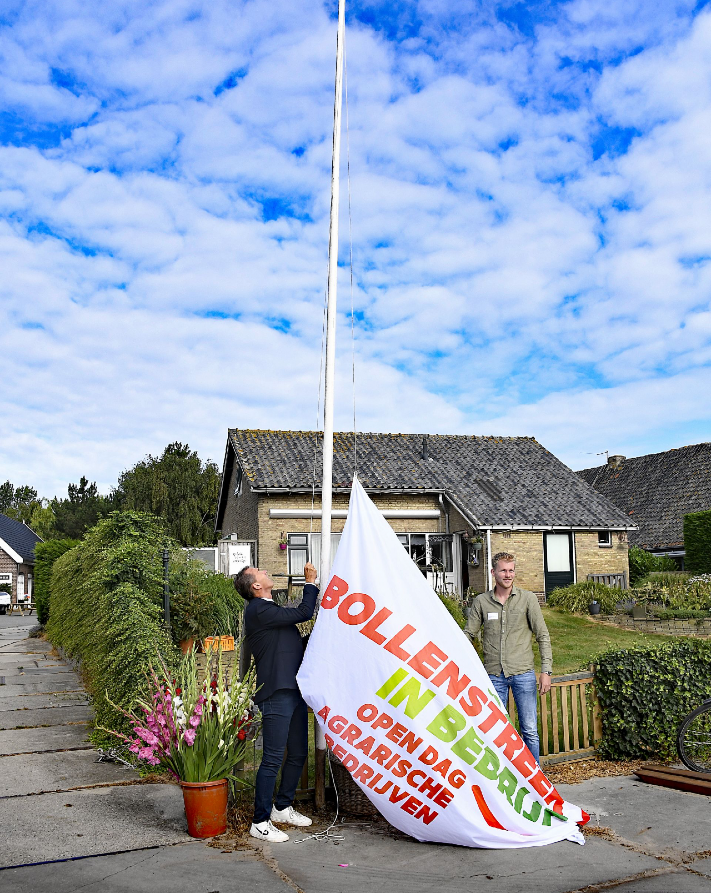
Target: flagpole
{"points": [[327, 481]]}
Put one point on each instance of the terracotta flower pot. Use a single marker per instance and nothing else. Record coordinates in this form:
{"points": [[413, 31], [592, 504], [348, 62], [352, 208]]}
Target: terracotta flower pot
{"points": [[205, 807], [186, 645]]}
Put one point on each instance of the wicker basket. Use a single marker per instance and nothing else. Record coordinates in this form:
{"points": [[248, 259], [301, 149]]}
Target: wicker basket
{"points": [[351, 800]]}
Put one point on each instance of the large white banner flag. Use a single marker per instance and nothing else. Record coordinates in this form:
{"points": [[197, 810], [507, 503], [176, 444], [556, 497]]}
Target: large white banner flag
{"points": [[408, 708]]}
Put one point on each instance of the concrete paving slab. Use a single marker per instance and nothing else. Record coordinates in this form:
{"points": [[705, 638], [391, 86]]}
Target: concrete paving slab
{"points": [[40, 740], [675, 882], [24, 667], [660, 820], [35, 701], [377, 861], [20, 685], [45, 716], [34, 773], [192, 866], [25, 646], [93, 821], [703, 866]]}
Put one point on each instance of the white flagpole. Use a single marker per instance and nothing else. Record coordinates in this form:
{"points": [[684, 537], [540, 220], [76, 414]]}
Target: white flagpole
{"points": [[327, 481]]}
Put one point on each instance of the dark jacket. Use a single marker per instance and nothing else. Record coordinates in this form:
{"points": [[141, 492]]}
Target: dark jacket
{"points": [[275, 642]]}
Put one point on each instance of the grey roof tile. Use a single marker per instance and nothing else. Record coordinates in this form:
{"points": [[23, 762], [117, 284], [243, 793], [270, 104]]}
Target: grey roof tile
{"points": [[19, 537], [657, 490], [499, 480]]}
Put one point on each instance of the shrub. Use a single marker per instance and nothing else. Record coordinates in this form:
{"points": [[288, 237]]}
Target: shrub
{"points": [[675, 592], [576, 598], [45, 555], [697, 542], [6, 587], [646, 691], [201, 603], [454, 608], [643, 563], [680, 614]]}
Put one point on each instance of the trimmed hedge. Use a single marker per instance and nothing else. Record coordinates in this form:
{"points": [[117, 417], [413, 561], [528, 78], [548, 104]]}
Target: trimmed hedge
{"points": [[45, 555], [107, 607], [646, 691], [697, 542]]}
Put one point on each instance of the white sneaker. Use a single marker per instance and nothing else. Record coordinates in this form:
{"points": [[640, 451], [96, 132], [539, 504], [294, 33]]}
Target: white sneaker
{"points": [[267, 831], [290, 816]]}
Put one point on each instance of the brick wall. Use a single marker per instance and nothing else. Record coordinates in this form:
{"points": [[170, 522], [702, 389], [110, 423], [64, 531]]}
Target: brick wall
{"points": [[591, 558], [9, 566], [240, 511], [274, 561], [527, 546]]}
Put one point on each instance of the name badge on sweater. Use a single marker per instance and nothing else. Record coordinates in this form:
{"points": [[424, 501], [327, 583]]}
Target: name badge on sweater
{"points": [[492, 616]]}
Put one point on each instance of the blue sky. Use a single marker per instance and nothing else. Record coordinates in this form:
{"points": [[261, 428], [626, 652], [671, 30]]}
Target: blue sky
{"points": [[531, 212]]}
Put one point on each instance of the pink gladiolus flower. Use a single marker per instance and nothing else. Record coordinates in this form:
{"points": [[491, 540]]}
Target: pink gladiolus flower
{"points": [[189, 737], [145, 753], [194, 722], [134, 748]]}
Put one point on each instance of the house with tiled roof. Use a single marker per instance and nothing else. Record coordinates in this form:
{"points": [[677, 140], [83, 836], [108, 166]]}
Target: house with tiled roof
{"points": [[656, 491], [452, 500], [17, 557]]}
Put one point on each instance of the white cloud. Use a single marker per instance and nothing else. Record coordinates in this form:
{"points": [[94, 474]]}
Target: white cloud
{"points": [[519, 270]]}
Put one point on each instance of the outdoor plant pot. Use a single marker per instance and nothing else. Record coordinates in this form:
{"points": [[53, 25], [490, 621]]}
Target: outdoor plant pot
{"points": [[186, 645], [594, 607], [205, 807], [282, 546]]}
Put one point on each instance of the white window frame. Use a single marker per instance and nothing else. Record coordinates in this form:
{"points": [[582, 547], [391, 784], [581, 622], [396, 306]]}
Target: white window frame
{"points": [[604, 544]]}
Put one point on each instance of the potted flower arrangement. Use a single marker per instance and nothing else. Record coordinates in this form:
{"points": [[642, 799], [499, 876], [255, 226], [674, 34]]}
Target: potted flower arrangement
{"points": [[198, 731], [283, 541]]}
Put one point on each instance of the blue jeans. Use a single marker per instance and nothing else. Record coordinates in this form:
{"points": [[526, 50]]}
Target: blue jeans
{"points": [[285, 727], [525, 692]]}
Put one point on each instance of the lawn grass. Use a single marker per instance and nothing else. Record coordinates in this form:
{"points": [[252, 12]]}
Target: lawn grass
{"points": [[577, 640]]}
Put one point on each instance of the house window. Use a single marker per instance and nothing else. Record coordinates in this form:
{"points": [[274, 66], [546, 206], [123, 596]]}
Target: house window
{"points": [[604, 538], [298, 552], [303, 547], [429, 550]]}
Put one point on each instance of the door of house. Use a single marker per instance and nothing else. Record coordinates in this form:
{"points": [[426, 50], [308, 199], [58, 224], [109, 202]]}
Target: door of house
{"points": [[558, 560]]}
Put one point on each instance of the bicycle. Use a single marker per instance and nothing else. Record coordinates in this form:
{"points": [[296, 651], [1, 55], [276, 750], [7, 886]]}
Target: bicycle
{"points": [[693, 741]]}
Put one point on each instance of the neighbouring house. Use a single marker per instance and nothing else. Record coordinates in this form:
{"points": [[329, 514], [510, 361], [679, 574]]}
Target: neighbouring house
{"points": [[655, 492], [17, 557], [453, 501]]}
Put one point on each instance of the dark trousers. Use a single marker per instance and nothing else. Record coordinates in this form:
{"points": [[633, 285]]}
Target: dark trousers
{"points": [[284, 727]]}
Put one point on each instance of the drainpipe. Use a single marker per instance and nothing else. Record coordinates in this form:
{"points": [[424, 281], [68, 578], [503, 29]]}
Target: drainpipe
{"points": [[488, 558]]}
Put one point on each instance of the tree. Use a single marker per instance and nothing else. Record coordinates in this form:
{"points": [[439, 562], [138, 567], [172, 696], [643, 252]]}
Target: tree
{"points": [[82, 508], [178, 487], [18, 502]]}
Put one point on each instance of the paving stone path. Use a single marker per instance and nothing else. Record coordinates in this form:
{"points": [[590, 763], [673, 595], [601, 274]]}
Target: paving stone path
{"points": [[70, 822]]}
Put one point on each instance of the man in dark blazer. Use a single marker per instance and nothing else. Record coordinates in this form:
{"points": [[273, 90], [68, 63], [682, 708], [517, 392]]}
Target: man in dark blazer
{"points": [[278, 649]]}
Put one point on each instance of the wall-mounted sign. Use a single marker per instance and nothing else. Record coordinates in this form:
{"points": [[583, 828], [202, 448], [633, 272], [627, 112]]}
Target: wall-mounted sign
{"points": [[6, 578]]}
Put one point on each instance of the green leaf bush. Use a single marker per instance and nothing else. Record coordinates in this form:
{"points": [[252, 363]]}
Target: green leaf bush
{"points": [[106, 608], [646, 691], [697, 542], [576, 598], [643, 563], [454, 608], [45, 555]]}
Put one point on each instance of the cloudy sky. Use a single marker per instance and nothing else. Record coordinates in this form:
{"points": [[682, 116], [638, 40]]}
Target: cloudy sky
{"points": [[531, 219]]}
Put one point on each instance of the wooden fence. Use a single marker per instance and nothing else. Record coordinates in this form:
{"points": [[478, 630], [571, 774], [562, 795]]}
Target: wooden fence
{"points": [[569, 719], [615, 581]]}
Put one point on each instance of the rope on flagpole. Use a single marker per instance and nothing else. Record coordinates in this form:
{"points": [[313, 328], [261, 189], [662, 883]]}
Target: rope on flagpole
{"points": [[350, 245]]}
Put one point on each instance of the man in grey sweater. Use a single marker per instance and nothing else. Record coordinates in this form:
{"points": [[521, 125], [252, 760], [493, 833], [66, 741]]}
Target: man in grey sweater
{"points": [[508, 617]]}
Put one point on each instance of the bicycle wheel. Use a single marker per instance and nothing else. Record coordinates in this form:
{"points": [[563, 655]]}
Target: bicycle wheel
{"points": [[693, 742]]}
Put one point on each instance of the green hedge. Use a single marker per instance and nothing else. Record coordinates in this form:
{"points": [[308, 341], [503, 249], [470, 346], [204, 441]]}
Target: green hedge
{"points": [[646, 691], [45, 555], [697, 542], [107, 607]]}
